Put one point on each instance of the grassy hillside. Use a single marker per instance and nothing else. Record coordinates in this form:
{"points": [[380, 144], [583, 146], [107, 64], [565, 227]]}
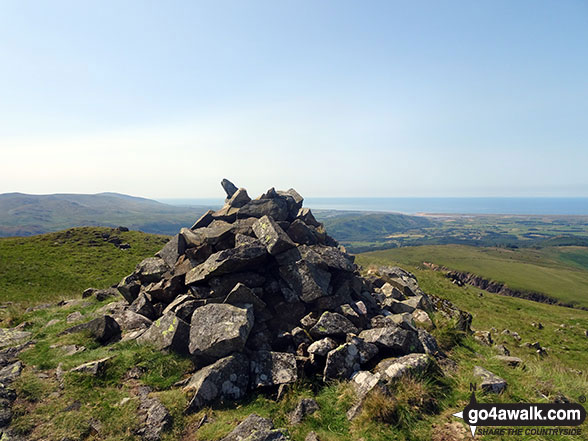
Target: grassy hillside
{"points": [[560, 272], [24, 214], [61, 265], [420, 409]]}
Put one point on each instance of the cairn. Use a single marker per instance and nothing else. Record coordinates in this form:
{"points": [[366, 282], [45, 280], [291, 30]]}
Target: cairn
{"points": [[259, 295]]}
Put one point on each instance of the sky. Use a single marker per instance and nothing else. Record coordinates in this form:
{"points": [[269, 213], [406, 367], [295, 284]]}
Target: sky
{"points": [[334, 98]]}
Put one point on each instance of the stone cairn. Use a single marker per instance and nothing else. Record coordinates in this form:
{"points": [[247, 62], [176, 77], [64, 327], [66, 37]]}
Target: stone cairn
{"points": [[259, 295]]}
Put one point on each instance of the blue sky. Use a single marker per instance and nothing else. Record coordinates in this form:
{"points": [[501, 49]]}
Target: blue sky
{"points": [[334, 98]]}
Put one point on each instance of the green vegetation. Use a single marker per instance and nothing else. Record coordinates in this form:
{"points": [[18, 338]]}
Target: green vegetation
{"points": [[361, 232], [419, 408], [25, 214], [61, 265], [559, 272]]}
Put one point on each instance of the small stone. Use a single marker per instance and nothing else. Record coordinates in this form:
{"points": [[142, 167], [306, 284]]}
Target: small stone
{"points": [[305, 407], [491, 383]]}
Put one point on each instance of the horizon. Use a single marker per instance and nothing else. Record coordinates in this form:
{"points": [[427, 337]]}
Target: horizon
{"points": [[387, 99]]}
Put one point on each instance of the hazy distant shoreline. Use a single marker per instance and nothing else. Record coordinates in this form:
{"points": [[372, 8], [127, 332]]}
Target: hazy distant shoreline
{"points": [[521, 206]]}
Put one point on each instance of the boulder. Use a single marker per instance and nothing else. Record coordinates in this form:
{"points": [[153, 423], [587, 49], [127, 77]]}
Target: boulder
{"points": [[429, 343], [142, 305], [131, 321], [226, 379], [305, 407], [228, 261], [229, 188], [276, 208], [307, 281], [151, 269], [219, 329], [301, 233], [203, 221], [221, 286], [129, 287], [363, 382], [332, 324], [154, 417], [483, 337], [103, 329], [256, 428], [94, 368], [393, 340], [306, 216], [167, 333], [172, 250], [342, 362], [322, 347], [272, 368], [510, 361], [272, 236], [10, 372], [239, 198], [241, 295], [395, 368], [491, 383]]}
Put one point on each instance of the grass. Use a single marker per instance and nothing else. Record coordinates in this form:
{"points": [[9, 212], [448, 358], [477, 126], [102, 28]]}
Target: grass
{"points": [[417, 408], [61, 265], [557, 272]]}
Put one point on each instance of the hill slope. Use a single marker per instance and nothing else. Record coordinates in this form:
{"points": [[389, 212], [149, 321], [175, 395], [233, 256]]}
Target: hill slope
{"points": [[24, 214], [61, 265]]}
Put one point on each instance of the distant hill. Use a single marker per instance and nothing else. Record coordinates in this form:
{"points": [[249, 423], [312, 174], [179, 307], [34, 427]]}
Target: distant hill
{"points": [[26, 214]]}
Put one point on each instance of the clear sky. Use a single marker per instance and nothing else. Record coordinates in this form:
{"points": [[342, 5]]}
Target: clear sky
{"points": [[334, 98]]}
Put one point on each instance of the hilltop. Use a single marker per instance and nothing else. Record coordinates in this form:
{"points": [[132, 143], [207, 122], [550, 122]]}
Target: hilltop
{"points": [[25, 214]]}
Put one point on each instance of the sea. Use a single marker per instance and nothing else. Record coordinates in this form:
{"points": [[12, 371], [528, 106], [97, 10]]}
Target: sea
{"points": [[522, 206]]}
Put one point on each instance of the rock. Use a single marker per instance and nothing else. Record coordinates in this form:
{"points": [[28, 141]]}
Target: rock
{"points": [[367, 351], [183, 307], [155, 419], [342, 362], [396, 307], [129, 287], [363, 382], [332, 324], [272, 236], [142, 305], [70, 349], [52, 322], [272, 368], [395, 368], [228, 261], [226, 379], [172, 250], [307, 281], [203, 221], [502, 350], [221, 286], [94, 368], [241, 295], [537, 325], [429, 344], [391, 291], [483, 337], [511, 361], [393, 340], [277, 209], [306, 216], [10, 337], [305, 407], [74, 317], [239, 198], [312, 436], [10, 372], [301, 233], [219, 329], [490, 382], [322, 347], [229, 188], [131, 321], [151, 269], [421, 317], [167, 333], [103, 329], [255, 428]]}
